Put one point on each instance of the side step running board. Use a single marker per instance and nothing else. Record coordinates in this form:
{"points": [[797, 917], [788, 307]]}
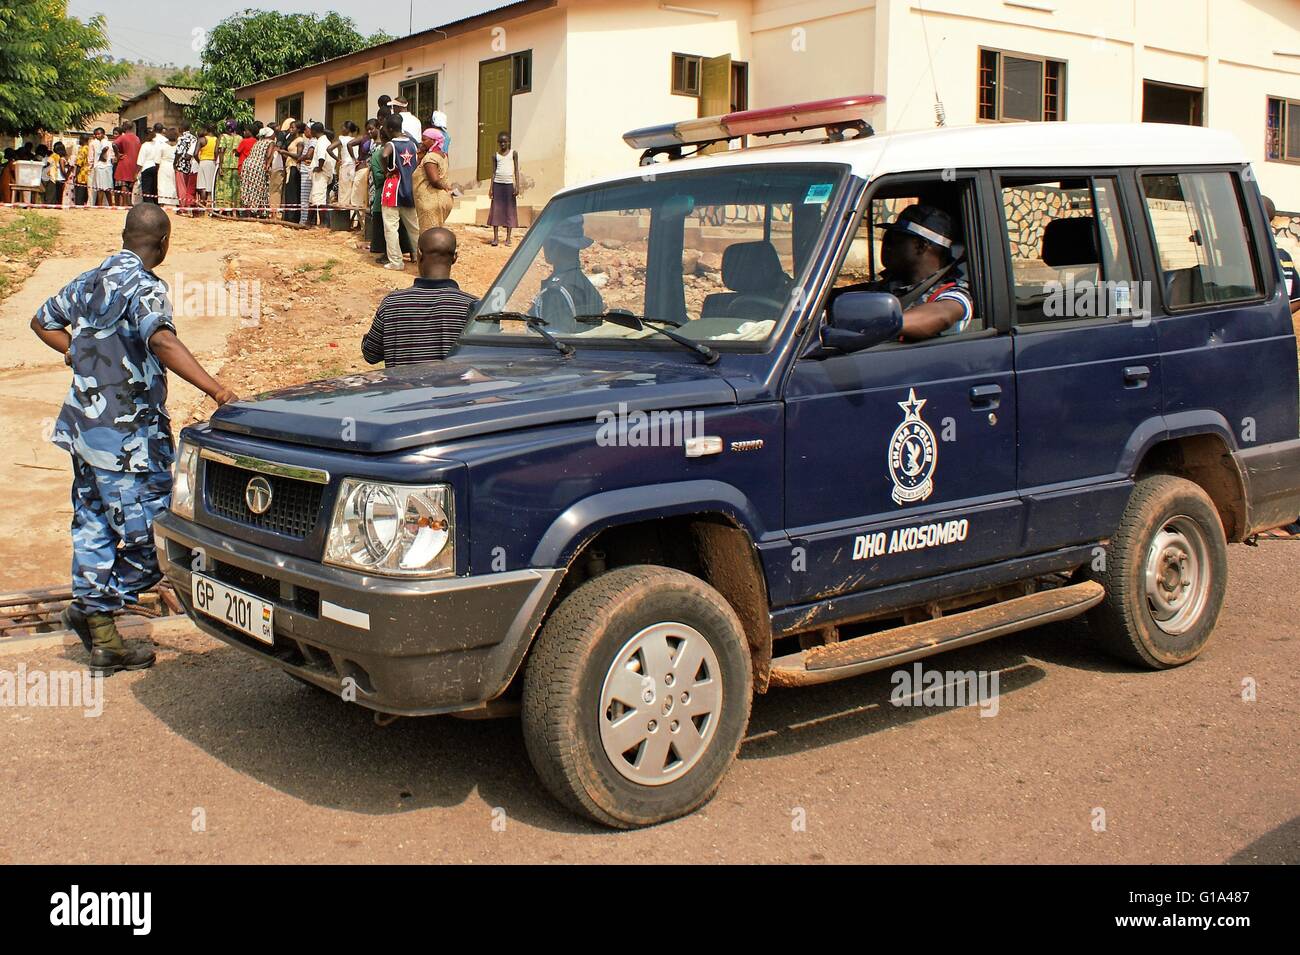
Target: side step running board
{"points": [[889, 648]]}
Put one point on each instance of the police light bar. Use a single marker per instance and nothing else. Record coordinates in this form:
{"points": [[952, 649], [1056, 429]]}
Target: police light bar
{"points": [[833, 115]]}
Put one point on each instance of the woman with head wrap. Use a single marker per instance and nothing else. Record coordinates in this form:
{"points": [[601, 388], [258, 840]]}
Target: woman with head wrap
{"points": [[254, 176], [432, 190]]}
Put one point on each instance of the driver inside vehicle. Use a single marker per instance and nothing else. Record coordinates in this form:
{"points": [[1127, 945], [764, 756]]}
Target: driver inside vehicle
{"points": [[920, 269], [566, 292]]}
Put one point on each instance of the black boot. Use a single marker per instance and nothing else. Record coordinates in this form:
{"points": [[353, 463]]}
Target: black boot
{"points": [[74, 619], [109, 654], [106, 660]]}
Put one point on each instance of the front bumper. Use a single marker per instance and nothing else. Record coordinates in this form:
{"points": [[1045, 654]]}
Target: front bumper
{"points": [[412, 647]]}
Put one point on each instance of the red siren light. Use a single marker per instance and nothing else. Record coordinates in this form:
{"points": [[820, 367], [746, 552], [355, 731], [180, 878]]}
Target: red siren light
{"points": [[836, 116]]}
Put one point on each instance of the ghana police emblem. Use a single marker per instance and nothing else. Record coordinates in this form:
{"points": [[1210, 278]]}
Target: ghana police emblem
{"points": [[912, 454]]}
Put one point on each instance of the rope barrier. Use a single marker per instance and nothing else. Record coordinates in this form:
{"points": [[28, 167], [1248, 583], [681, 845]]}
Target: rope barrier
{"points": [[171, 208]]}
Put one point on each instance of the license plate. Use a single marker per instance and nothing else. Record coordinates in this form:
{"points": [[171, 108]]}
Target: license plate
{"points": [[244, 612]]}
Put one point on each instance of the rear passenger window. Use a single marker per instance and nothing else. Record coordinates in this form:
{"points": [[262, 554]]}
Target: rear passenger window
{"points": [[1206, 253], [1068, 249]]}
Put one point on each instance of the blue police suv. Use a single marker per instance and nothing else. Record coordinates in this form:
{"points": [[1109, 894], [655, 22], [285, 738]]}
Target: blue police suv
{"points": [[773, 416]]}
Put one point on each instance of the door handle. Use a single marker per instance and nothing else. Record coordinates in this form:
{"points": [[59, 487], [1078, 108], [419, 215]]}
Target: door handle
{"points": [[1136, 376], [984, 397]]}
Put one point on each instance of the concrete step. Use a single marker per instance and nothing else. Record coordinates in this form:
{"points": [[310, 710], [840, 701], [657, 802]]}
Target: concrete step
{"points": [[469, 214]]}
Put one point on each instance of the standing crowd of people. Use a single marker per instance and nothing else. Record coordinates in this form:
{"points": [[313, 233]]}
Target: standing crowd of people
{"points": [[393, 174]]}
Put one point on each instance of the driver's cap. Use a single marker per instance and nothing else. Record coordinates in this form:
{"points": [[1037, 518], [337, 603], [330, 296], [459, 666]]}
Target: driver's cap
{"points": [[928, 222]]}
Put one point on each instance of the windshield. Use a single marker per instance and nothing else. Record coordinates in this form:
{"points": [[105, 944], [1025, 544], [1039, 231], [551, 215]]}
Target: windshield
{"points": [[714, 255]]}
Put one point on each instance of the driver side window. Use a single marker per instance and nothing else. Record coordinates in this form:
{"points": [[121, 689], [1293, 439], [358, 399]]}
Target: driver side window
{"points": [[921, 209]]}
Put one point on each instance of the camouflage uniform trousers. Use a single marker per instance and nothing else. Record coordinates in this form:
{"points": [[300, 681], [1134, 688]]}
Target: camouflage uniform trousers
{"points": [[113, 555]]}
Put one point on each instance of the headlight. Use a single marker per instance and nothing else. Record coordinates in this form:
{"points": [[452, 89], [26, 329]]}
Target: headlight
{"points": [[393, 529], [185, 474]]}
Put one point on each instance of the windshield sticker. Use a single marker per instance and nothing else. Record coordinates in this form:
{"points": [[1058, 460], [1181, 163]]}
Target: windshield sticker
{"points": [[818, 193]]}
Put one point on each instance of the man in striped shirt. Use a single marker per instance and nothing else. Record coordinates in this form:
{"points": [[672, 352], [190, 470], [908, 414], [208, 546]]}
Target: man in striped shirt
{"points": [[423, 322]]}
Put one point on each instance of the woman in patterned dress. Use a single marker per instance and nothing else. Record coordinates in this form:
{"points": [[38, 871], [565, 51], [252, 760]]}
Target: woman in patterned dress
{"points": [[254, 178], [227, 193]]}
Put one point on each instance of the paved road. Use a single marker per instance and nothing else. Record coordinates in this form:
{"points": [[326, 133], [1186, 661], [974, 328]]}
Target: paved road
{"points": [[269, 770]]}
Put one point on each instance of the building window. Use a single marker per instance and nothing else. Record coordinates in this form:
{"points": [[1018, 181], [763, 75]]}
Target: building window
{"points": [[686, 74], [421, 95], [346, 91], [288, 106], [347, 101], [1168, 103], [521, 72], [1014, 87], [739, 87], [1282, 130]]}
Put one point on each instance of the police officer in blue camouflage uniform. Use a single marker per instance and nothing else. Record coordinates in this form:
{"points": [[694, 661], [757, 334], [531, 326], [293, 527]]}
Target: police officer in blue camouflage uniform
{"points": [[114, 327]]}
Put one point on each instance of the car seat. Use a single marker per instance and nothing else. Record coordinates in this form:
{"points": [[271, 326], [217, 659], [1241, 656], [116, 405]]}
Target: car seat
{"points": [[753, 273]]}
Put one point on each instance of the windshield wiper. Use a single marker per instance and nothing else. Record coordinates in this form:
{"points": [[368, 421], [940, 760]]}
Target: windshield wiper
{"points": [[625, 319], [538, 325]]}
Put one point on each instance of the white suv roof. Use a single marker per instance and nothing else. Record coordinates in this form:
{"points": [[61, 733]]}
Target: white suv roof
{"points": [[995, 145]]}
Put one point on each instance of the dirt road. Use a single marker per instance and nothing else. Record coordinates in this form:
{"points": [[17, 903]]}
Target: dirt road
{"points": [[213, 756]]}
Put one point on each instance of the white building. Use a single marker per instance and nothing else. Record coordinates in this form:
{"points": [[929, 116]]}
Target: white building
{"points": [[568, 77]]}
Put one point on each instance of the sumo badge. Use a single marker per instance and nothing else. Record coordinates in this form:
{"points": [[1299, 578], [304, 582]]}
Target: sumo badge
{"points": [[912, 454]]}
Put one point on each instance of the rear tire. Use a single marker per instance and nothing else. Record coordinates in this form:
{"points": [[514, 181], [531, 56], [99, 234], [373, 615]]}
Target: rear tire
{"points": [[637, 695], [1165, 574]]}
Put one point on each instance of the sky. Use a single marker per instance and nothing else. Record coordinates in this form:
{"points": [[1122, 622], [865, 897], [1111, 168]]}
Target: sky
{"points": [[166, 32]]}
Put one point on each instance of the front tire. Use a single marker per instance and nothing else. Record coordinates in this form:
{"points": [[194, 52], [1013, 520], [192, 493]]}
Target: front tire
{"points": [[637, 695], [1165, 574]]}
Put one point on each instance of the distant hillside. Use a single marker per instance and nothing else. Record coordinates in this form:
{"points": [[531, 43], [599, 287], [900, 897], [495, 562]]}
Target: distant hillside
{"points": [[145, 75]]}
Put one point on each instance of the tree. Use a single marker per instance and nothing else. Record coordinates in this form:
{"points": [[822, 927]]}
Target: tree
{"points": [[183, 76], [256, 44], [53, 75]]}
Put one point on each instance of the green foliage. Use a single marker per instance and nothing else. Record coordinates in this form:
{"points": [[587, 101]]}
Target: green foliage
{"points": [[256, 45], [52, 74], [183, 76], [27, 231]]}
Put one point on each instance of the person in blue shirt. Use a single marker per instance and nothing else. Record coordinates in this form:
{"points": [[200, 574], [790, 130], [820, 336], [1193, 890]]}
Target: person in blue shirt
{"points": [[113, 325], [397, 194], [1290, 275]]}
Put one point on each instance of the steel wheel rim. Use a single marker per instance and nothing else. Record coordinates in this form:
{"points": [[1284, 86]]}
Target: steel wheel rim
{"points": [[1177, 575], [660, 704]]}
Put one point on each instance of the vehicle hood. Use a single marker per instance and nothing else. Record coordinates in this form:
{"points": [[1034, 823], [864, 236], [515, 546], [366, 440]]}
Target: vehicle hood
{"points": [[434, 402]]}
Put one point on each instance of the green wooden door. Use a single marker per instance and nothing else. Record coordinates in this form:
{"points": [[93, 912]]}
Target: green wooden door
{"points": [[346, 101], [715, 91], [494, 79], [353, 109]]}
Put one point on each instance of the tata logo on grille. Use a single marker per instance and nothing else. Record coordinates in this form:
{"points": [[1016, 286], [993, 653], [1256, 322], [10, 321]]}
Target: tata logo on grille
{"points": [[258, 495]]}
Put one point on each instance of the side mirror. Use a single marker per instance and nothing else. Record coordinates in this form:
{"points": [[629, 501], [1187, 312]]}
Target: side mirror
{"points": [[861, 320]]}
